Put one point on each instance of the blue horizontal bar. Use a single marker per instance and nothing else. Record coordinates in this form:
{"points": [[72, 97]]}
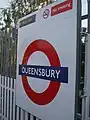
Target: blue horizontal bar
{"points": [[51, 73]]}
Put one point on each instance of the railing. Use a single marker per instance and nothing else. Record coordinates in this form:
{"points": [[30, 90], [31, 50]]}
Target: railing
{"points": [[8, 108]]}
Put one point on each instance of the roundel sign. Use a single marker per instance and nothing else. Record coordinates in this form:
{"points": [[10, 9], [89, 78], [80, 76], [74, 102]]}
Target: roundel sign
{"points": [[55, 73]]}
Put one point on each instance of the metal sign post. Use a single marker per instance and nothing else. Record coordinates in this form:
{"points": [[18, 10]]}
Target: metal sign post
{"points": [[78, 59], [88, 16], [86, 96], [86, 99]]}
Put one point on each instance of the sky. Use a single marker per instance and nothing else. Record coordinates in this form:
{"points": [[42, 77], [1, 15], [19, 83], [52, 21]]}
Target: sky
{"points": [[4, 3], [84, 11]]}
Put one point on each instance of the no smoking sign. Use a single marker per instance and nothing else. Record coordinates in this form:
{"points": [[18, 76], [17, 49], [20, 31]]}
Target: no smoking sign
{"points": [[46, 13]]}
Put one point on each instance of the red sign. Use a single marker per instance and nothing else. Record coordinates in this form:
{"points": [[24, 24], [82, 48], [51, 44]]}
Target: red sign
{"points": [[62, 7], [49, 94]]}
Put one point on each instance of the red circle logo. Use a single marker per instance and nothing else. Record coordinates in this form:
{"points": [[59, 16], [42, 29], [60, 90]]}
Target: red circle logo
{"points": [[49, 94]]}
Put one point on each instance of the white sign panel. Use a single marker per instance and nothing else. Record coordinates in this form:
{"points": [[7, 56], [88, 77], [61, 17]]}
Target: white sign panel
{"points": [[46, 62]]}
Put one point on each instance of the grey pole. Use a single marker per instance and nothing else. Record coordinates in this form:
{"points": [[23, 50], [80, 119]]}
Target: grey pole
{"points": [[88, 16], [78, 58]]}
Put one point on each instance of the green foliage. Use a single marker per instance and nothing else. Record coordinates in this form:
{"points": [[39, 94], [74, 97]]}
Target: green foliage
{"points": [[18, 9]]}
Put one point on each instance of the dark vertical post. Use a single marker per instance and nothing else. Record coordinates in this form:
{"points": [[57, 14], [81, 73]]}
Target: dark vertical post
{"points": [[88, 16], [78, 57]]}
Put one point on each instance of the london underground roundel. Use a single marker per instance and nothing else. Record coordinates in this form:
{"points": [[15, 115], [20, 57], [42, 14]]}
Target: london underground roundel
{"points": [[49, 94]]}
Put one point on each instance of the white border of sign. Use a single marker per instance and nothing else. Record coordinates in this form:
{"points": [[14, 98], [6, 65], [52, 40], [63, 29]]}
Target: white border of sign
{"points": [[49, 111]]}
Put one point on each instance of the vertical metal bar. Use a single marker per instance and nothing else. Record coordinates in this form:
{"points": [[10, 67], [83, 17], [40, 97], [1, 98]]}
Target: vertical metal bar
{"points": [[15, 112], [1, 102], [16, 40], [8, 57], [84, 104], [31, 117], [87, 77], [5, 56], [5, 100], [2, 99], [1, 76], [78, 57], [88, 20], [14, 105], [83, 107], [88, 16], [2, 57], [5, 104], [10, 105], [26, 115], [21, 114], [89, 107], [0, 53], [17, 115], [7, 97]]}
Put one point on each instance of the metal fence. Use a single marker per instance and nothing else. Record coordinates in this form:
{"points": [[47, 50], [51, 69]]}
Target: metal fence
{"points": [[8, 109]]}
